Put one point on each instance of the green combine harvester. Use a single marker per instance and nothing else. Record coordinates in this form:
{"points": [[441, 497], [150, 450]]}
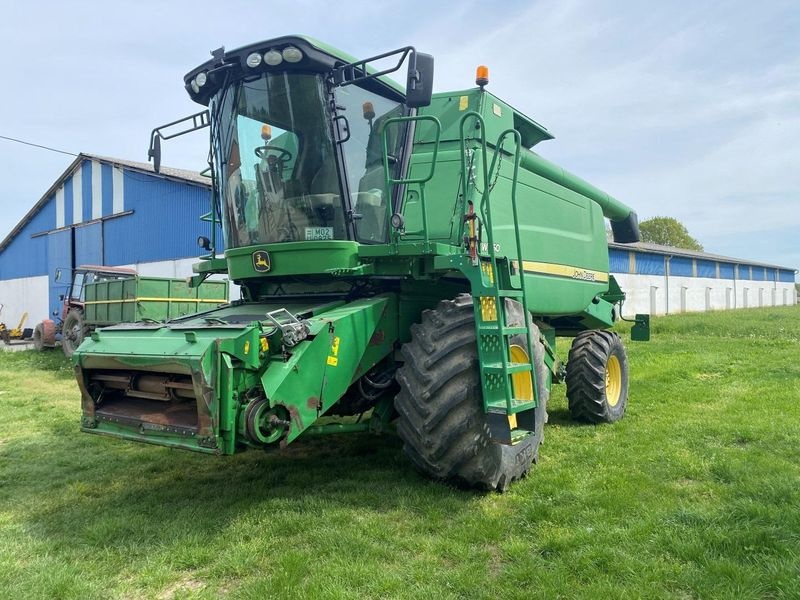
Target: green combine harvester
{"points": [[404, 258]]}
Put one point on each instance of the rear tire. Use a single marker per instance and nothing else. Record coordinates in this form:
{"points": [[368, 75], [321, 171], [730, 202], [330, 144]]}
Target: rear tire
{"points": [[597, 377], [44, 335], [442, 424], [73, 332]]}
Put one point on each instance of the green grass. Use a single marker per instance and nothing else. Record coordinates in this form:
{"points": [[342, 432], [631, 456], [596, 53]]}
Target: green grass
{"points": [[695, 494]]}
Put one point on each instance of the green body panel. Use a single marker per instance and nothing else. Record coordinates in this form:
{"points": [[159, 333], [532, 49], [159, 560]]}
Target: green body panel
{"points": [[293, 258], [316, 337], [348, 341], [155, 298], [449, 107]]}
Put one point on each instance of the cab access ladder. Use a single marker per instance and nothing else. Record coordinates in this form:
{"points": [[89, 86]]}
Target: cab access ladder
{"points": [[504, 391]]}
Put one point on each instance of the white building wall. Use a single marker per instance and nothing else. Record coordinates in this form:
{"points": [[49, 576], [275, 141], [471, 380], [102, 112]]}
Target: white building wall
{"points": [[659, 295], [26, 294], [77, 196], [641, 291]]}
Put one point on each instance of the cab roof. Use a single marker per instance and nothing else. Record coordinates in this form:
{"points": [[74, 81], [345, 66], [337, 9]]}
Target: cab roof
{"points": [[317, 57]]}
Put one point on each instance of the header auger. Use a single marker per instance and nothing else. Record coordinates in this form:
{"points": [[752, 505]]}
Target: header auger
{"points": [[405, 260]]}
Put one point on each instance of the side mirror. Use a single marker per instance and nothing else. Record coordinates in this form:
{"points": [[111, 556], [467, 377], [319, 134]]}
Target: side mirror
{"points": [[155, 151], [61, 297], [197, 120], [419, 83], [58, 275]]}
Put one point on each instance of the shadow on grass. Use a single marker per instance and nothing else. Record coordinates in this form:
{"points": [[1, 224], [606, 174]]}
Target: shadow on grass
{"points": [[79, 489], [562, 418]]}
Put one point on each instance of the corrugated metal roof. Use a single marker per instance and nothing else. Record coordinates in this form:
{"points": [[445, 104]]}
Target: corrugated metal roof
{"points": [[672, 251], [183, 175], [167, 172]]}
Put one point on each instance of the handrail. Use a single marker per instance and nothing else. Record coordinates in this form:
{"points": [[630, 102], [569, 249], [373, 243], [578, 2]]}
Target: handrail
{"points": [[464, 172], [517, 238], [393, 120], [421, 181], [485, 208]]}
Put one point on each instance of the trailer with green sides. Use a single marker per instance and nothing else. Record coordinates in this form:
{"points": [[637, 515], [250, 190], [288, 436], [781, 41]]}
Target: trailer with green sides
{"points": [[98, 296], [149, 299], [407, 262]]}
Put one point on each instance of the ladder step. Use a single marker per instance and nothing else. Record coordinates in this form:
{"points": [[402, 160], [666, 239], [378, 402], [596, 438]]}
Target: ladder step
{"points": [[484, 328], [517, 405], [487, 291], [511, 367]]}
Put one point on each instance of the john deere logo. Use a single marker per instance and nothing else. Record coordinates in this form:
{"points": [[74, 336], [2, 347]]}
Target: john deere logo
{"points": [[261, 261]]}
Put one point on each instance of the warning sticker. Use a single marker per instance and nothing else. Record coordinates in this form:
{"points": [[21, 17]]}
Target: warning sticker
{"points": [[333, 358]]}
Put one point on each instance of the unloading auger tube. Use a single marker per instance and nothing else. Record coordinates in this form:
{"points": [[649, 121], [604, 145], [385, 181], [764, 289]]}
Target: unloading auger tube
{"points": [[624, 221]]}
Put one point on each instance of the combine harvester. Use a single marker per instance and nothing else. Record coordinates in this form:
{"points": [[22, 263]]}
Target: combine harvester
{"points": [[403, 257]]}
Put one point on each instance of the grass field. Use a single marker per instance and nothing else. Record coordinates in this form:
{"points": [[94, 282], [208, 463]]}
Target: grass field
{"points": [[695, 494]]}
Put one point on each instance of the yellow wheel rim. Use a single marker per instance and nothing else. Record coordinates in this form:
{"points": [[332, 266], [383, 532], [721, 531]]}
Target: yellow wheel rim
{"points": [[613, 380], [521, 382]]}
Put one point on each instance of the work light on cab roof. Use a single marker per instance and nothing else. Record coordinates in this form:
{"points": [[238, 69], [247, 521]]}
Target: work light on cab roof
{"points": [[404, 258], [274, 57]]}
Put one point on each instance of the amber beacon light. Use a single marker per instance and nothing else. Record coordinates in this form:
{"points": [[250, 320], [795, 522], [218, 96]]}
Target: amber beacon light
{"points": [[482, 76]]}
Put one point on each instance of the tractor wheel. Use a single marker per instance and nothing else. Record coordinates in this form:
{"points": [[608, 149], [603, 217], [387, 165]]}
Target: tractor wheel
{"points": [[442, 422], [597, 377], [72, 332]]}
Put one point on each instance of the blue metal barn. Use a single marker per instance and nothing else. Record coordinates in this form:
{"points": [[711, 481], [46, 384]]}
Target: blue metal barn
{"points": [[102, 211]]}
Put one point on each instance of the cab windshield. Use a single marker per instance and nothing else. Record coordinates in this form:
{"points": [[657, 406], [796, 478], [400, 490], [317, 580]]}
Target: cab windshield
{"points": [[278, 161]]}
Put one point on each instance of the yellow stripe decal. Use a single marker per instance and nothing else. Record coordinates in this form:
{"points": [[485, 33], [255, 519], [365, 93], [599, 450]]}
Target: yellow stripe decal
{"points": [[578, 273], [144, 299]]}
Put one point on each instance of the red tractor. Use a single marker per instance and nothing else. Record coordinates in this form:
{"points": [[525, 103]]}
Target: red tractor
{"points": [[70, 324]]}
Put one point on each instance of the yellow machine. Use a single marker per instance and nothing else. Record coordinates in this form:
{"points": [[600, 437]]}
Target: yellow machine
{"points": [[18, 333]]}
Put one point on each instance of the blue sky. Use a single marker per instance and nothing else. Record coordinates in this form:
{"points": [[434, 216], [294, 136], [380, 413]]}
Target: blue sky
{"points": [[683, 109]]}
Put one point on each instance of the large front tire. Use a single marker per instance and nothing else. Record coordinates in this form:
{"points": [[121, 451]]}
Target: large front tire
{"points": [[442, 424], [597, 377]]}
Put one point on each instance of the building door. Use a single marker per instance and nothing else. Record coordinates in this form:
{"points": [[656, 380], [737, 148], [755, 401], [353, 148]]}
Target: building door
{"points": [[653, 300], [59, 262], [89, 244]]}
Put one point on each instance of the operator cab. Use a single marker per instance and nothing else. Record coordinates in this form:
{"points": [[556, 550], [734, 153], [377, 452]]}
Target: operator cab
{"points": [[297, 139]]}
